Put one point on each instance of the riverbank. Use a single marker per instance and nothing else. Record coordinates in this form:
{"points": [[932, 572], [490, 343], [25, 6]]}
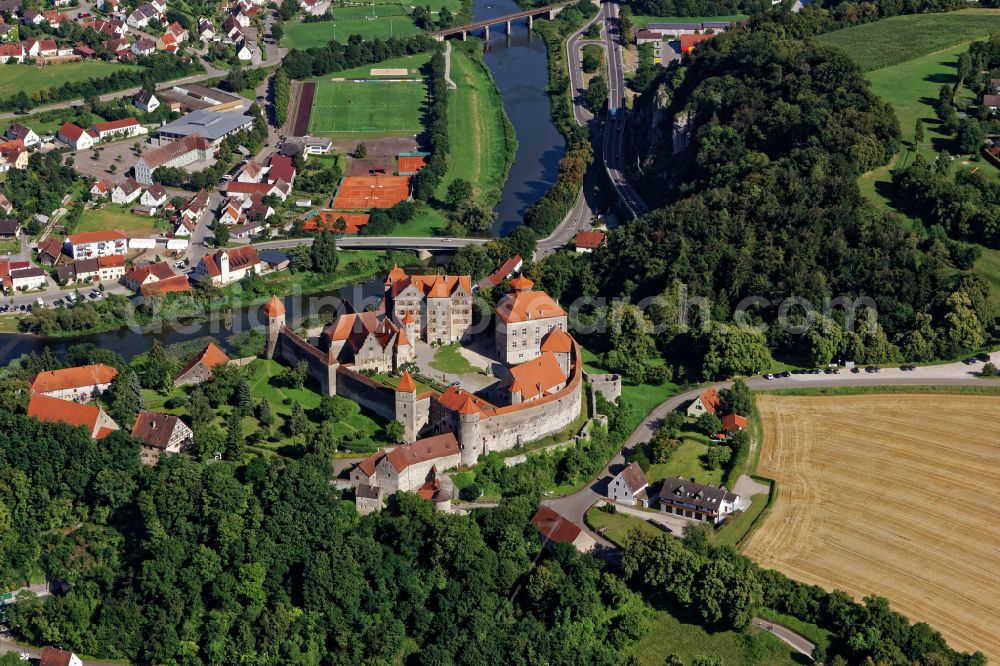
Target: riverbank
{"points": [[201, 305]]}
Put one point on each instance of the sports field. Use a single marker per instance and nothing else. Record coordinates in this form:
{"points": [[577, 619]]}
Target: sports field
{"points": [[382, 22], [364, 192], [347, 109], [31, 78], [889, 494], [901, 38]]}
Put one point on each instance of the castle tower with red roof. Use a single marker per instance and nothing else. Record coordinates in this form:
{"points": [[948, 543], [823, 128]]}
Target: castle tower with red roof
{"points": [[406, 407], [274, 310]]}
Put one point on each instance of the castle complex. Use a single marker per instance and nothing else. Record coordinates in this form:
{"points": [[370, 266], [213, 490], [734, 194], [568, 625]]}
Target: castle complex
{"points": [[531, 400]]}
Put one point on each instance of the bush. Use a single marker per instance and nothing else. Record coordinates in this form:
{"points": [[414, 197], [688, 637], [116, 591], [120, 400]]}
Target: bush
{"points": [[471, 492]]}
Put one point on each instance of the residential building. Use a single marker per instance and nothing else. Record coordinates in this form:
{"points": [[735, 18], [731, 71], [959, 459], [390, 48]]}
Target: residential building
{"points": [[588, 241], [226, 266], [688, 42], [84, 51], [75, 137], [91, 417], [138, 277], [162, 432], [524, 318], [54, 657], [155, 196], [199, 369], [167, 42], [179, 153], [144, 46], [18, 132], [629, 486], [709, 401], [170, 285], [10, 229], [244, 52], [205, 29], [279, 189], [28, 279], [506, 270], [555, 528], [141, 17], [50, 251], [434, 308], [247, 230], [13, 155], [196, 206], [126, 192], [98, 269], [10, 52], [145, 100], [81, 384], [213, 126], [991, 102], [281, 169], [6, 207], [232, 213], [118, 129], [87, 244], [697, 501], [733, 423], [101, 189], [253, 172]]}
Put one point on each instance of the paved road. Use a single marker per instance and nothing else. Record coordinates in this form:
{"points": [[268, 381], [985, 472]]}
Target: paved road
{"points": [[786, 635], [381, 243], [575, 64], [614, 133]]}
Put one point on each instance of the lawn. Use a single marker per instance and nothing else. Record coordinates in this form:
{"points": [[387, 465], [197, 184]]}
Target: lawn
{"points": [[901, 38], [643, 21], [378, 109], [476, 128], [54, 121], [115, 217], [988, 267], [670, 635], [735, 527], [413, 63], [618, 526], [641, 398], [389, 21], [686, 462], [427, 222], [31, 78], [449, 359]]}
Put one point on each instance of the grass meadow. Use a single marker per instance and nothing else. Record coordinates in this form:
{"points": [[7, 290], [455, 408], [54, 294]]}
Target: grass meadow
{"points": [[382, 108], [31, 78]]}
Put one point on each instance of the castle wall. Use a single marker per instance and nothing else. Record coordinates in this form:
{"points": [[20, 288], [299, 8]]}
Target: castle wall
{"points": [[289, 349], [366, 392]]}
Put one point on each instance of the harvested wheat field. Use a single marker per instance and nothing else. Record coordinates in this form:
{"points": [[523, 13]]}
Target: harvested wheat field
{"points": [[894, 495]]}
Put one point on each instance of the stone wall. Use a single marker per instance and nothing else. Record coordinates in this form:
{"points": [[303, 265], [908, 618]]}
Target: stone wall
{"points": [[290, 349], [366, 392]]}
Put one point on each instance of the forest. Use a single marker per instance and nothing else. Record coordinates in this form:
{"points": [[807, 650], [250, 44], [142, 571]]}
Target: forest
{"points": [[761, 202]]}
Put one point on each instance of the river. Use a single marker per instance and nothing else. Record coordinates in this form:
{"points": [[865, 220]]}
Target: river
{"points": [[519, 65]]}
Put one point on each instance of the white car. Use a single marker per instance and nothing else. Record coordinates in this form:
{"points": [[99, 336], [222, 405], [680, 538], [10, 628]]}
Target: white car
{"points": [[769, 376]]}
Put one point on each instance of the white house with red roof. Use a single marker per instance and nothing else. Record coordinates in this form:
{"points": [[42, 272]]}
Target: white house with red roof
{"points": [[524, 318], [75, 137], [93, 419], [588, 241], [8, 51], [82, 383], [226, 266], [101, 189], [90, 244], [629, 486], [118, 129], [709, 401], [126, 192]]}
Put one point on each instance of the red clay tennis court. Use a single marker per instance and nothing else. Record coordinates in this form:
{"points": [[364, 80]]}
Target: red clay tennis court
{"points": [[410, 164], [364, 192], [327, 220]]}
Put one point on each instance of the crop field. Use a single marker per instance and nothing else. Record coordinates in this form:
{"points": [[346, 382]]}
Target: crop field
{"points": [[890, 495], [31, 78], [901, 38], [378, 109]]}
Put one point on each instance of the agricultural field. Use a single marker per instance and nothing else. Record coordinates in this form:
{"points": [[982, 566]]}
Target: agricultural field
{"points": [[386, 21], [901, 38], [476, 121], [31, 78], [347, 109], [643, 21], [874, 497]]}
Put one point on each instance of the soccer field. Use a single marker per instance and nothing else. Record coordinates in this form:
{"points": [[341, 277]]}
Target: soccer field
{"points": [[379, 108]]}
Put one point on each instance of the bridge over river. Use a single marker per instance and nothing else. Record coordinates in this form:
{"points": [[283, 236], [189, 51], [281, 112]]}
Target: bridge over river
{"points": [[548, 12]]}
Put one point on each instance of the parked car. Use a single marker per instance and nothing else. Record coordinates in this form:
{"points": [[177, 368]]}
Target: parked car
{"points": [[985, 358], [786, 373], [970, 360], [855, 369], [769, 376]]}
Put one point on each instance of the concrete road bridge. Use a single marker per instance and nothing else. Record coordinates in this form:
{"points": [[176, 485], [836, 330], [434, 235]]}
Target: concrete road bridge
{"points": [[548, 12]]}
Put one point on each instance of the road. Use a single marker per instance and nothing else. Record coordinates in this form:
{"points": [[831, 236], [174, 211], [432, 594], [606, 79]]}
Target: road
{"points": [[574, 62], [381, 243], [786, 635], [614, 131]]}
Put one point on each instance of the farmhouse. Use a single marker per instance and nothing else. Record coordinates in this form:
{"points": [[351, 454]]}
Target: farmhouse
{"points": [[11, 51], [629, 486], [162, 432], [554, 528], [709, 401], [199, 369], [733, 423], [81, 384], [138, 277], [588, 241], [179, 153], [10, 229], [524, 317], [92, 417], [225, 266], [437, 308], [89, 244], [126, 192], [697, 501]]}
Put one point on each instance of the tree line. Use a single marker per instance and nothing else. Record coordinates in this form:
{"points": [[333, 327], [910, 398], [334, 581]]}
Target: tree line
{"points": [[337, 56], [435, 123]]}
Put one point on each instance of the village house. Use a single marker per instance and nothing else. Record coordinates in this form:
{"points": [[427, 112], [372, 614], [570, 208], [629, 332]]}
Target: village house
{"points": [[162, 432], [588, 241], [205, 29], [232, 213], [138, 277], [709, 401], [10, 229], [248, 230], [146, 101], [253, 172], [87, 244], [98, 269], [28, 279], [84, 51], [179, 153], [196, 206], [10, 52], [629, 486], [433, 308], [31, 17], [141, 17], [126, 192], [524, 318], [555, 528], [155, 196], [118, 129], [50, 251], [227, 266], [75, 137], [199, 369], [51, 656], [13, 155], [81, 384], [279, 189], [697, 501], [6, 207], [18, 132], [53, 18], [40, 48], [144, 46], [506, 270], [178, 31], [101, 189], [91, 417], [167, 42], [244, 53], [733, 423], [281, 169]]}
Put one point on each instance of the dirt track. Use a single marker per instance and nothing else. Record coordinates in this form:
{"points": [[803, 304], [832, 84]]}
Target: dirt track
{"points": [[894, 495]]}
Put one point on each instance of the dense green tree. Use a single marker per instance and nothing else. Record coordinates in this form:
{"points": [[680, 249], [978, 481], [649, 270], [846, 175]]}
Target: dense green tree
{"points": [[709, 424], [324, 253]]}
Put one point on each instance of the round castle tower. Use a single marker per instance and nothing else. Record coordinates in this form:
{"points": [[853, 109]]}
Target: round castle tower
{"points": [[274, 310]]}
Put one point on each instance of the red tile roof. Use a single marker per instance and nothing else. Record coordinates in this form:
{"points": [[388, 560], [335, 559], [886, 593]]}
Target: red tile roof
{"points": [[557, 342], [688, 42], [154, 429], [239, 258], [68, 378], [54, 657], [555, 527], [71, 131], [274, 307], [168, 285], [115, 125], [519, 306], [46, 408], [710, 398], [281, 169], [97, 236], [406, 384], [634, 477], [210, 357], [161, 270], [734, 423], [536, 377], [423, 450], [590, 239]]}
